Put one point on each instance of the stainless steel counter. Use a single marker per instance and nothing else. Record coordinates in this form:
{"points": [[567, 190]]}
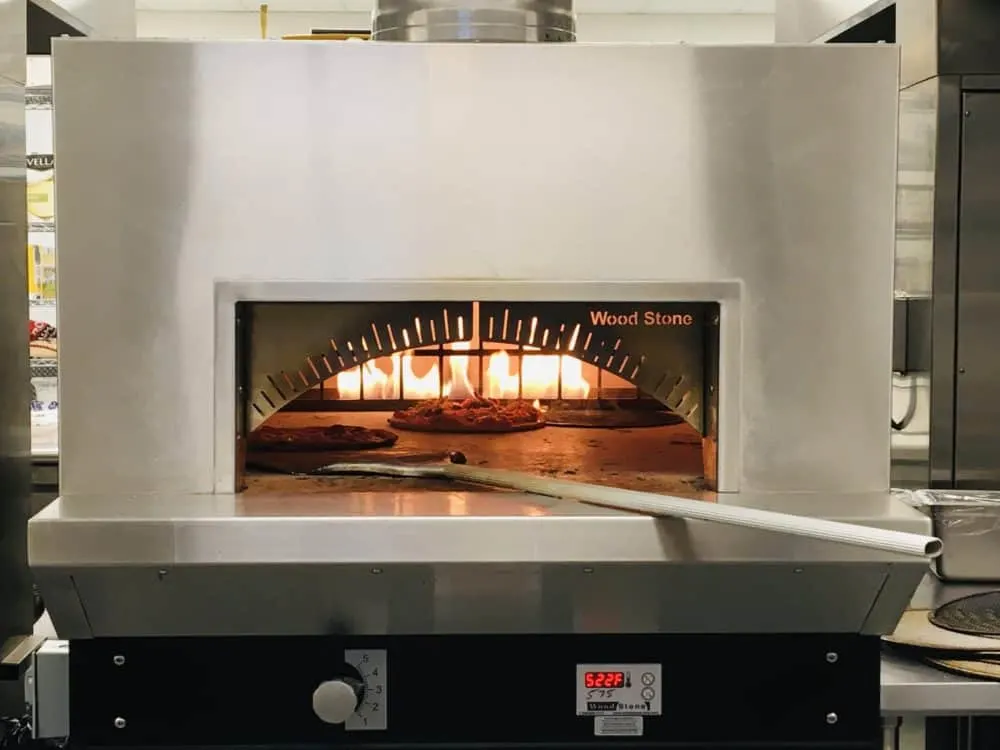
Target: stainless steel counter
{"points": [[912, 688]]}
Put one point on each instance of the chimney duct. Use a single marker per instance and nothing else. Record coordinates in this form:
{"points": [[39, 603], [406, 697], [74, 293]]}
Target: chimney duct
{"points": [[474, 21]]}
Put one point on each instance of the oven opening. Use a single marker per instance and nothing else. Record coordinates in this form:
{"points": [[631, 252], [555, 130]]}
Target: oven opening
{"points": [[619, 394]]}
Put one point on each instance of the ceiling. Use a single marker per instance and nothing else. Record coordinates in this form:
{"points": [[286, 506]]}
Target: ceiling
{"points": [[582, 6]]}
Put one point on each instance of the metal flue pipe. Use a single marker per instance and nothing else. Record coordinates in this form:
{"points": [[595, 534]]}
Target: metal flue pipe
{"points": [[474, 21]]}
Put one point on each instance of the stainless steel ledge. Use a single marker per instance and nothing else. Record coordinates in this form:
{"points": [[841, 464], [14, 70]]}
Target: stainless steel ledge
{"points": [[387, 528]]}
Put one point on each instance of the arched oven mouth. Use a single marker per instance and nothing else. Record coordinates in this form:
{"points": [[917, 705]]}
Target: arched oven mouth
{"points": [[624, 393]]}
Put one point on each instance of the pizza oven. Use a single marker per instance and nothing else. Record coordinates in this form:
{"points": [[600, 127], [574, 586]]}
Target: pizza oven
{"points": [[622, 391], [664, 271], [670, 322]]}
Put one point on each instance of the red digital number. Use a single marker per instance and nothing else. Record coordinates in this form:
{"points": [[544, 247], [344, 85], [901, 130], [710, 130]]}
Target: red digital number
{"points": [[604, 679]]}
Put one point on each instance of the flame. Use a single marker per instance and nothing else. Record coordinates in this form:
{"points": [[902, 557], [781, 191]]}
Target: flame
{"points": [[539, 378], [377, 383], [500, 382], [458, 384], [540, 373], [414, 386]]}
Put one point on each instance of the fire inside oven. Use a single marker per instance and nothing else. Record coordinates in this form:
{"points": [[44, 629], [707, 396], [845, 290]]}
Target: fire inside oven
{"points": [[620, 394]]}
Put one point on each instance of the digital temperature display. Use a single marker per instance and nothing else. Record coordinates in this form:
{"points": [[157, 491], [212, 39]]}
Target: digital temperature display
{"points": [[618, 689], [606, 680]]}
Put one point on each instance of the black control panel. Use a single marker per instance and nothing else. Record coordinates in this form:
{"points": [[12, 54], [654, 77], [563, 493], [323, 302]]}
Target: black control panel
{"points": [[640, 691]]}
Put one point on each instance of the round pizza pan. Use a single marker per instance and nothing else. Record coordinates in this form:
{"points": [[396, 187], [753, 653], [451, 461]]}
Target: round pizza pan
{"points": [[978, 614]]}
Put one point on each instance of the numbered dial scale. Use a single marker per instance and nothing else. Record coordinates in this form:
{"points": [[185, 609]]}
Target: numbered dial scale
{"points": [[357, 697]]}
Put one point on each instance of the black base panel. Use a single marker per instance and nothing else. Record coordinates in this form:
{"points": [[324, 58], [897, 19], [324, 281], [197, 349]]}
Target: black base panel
{"points": [[787, 691]]}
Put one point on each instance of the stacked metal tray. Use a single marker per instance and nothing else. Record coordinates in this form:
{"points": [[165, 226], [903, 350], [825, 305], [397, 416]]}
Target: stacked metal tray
{"points": [[968, 523]]}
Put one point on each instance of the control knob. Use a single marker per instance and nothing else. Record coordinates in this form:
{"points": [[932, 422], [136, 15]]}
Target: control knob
{"points": [[335, 700]]}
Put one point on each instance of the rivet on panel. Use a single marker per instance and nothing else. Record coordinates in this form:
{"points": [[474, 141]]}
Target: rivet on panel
{"points": [[831, 718], [831, 657], [119, 723], [376, 571], [119, 660]]}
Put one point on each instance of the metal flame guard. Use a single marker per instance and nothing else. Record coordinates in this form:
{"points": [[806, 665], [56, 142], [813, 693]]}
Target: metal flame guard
{"points": [[294, 348]]}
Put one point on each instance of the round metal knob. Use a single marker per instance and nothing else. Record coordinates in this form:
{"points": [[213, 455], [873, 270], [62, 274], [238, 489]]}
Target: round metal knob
{"points": [[335, 700]]}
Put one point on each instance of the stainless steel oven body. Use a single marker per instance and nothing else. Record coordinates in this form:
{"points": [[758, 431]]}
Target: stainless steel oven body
{"points": [[212, 175]]}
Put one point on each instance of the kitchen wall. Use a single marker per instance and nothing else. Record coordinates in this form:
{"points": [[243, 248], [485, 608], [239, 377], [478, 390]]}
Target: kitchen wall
{"points": [[109, 19], [694, 28]]}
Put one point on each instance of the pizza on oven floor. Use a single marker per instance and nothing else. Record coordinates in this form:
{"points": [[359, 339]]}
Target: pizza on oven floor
{"points": [[338, 437], [476, 414]]}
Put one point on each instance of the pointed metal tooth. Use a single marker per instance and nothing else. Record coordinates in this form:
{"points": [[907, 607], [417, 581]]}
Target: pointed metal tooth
{"points": [[692, 416], [275, 390]]}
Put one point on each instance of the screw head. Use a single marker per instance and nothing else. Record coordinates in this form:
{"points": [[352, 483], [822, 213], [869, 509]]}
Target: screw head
{"points": [[119, 660], [831, 657], [119, 723], [831, 718]]}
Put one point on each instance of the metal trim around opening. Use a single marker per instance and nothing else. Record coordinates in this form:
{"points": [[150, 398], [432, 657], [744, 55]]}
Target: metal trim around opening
{"points": [[728, 294]]}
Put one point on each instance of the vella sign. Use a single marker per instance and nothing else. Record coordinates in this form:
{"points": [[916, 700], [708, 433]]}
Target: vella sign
{"points": [[41, 162]]}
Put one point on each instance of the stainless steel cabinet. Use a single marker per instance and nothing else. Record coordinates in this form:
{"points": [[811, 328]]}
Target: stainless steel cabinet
{"points": [[977, 379]]}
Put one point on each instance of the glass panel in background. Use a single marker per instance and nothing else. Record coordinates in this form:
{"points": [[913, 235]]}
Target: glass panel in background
{"points": [[42, 326]]}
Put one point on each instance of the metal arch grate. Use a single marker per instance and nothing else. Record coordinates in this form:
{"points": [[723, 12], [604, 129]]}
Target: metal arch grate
{"points": [[337, 337], [665, 362]]}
